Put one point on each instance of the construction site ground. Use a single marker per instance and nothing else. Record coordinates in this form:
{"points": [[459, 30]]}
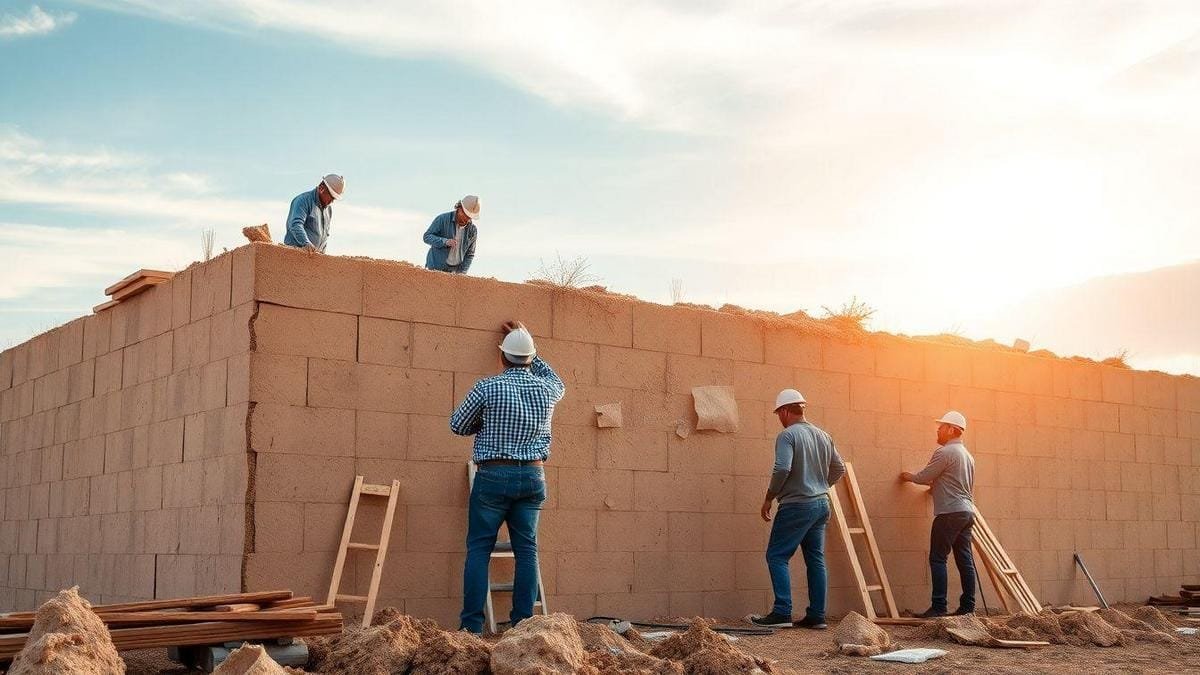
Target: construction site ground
{"points": [[809, 651]]}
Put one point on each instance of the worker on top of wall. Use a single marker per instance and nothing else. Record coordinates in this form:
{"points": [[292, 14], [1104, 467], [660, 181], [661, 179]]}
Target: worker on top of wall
{"points": [[509, 415], [806, 465], [311, 212], [951, 472], [451, 237]]}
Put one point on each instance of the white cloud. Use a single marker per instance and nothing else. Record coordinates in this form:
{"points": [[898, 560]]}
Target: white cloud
{"points": [[34, 22]]}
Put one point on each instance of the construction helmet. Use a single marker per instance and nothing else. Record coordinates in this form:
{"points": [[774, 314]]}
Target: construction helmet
{"points": [[954, 418], [518, 346], [335, 184], [788, 397]]}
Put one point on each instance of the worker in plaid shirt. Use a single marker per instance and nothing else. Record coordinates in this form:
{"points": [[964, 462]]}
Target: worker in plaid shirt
{"points": [[509, 415]]}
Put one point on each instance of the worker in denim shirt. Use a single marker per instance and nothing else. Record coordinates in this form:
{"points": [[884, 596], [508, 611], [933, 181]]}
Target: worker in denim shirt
{"points": [[451, 238], [310, 215]]}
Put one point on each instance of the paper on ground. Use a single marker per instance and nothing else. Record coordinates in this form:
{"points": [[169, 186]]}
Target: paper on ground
{"points": [[916, 655]]}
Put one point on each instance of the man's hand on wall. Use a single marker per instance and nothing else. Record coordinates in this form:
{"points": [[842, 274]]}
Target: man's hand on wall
{"points": [[510, 326]]}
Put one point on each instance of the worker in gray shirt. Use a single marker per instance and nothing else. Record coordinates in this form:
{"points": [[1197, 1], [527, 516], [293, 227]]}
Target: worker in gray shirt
{"points": [[951, 472], [806, 465]]}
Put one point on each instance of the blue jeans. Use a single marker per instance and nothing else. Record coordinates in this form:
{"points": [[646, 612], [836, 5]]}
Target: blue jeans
{"points": [[800, 525], [502, 494], [952, 531]]}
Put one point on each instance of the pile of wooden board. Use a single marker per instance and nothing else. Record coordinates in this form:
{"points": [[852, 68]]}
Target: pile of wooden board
{"points": [[207, 620], [132, 285], [1186, 602]]}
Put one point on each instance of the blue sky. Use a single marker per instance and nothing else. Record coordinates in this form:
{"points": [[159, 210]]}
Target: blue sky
{"points": [[943, 161]]}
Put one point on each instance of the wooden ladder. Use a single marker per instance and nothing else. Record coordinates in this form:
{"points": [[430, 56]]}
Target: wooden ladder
{"points": [[503, 549], [360, 489], [1001, 570], [864, 530]]}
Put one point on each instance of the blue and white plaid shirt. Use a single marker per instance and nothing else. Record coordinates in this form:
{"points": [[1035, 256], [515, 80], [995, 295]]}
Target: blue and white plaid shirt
{"points": [[509, 414]]}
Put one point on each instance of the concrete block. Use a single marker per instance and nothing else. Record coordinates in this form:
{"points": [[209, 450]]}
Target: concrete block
{"points": [[322, 524], [566, 530], [380, 435], [595, 572], [183, 485], [575, 362], [456, 350], [732, 336], [83, 458], [631, 531], [600, 490], [118, 451], [210, 285], [304, 478], [762, 382], [656, 491], [874, 393], [632, 449], [668, 329], [384, 341], [1154, 390], [166, 442], [447, 537], [96, 336], [631, 369], [1077, 380], [20, 364], [634, 606], [304, 332], [191, 346], [1135, 420], [306, 574], [1149, 449], [180, 287], [789, 346], [340, 384], [1166, 507], [1187, 393], [685, 372], [483, 304], [429, 438], [107, 374], [241, 275], [823, 389], [398, 291], [702, 452], [175, 576], [278, 379], [599, 318], [846, 357], [80, 380], [148, 488], [735, 532], [230, 331], [1116, 384], [301, 430], [847, 427], [899, 360], [288, 276]]}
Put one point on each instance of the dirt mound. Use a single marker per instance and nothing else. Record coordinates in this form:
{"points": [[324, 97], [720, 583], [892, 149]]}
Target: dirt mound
{"points": [[446, 653], [1136, 629], [381, 649], [540, 645], [856, 636], [1084, 628], [1044, 626], [257, 233], [609, 652], [251, 660], [1154, 617], [68, 638], [967, 629], [704, 652]]}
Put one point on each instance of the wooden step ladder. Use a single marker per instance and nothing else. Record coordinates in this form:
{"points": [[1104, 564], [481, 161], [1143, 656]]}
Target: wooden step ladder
{"points": [[503, 549], [892, 614], [1002, 570], [381, 548]]}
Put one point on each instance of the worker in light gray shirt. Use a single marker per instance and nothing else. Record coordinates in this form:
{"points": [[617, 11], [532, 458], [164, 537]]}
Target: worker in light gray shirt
{"points": [[951, 473], [806, 465]]}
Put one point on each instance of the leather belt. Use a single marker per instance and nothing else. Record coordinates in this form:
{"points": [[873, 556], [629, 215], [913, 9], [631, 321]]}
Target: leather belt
{"points": [[511, 462]]}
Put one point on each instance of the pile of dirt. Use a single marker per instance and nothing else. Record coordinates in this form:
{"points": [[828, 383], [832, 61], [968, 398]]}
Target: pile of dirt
{"points": [[540, 644], [704, 652], [252, 660], [67, 637], [379, 649], [1084, 628], [856, 636], [967, 629], [451, 653], [1154, 617], [257, 233], [608, 652], [1044, 626], [1135, 629]]}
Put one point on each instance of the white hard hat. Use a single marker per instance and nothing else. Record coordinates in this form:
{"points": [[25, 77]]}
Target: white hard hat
{"points": [[954, 418], [788, 397], [518, 345], [335, 184], [470, 206]]}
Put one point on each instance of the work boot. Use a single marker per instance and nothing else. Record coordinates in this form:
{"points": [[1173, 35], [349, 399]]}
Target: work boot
{"points": [[771, 620], [809, 622], [963, 611], [931, 613]]}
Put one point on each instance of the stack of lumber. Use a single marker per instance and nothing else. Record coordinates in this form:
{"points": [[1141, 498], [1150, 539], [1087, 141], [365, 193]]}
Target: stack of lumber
{"points": [[132, 285], [207, 620]]}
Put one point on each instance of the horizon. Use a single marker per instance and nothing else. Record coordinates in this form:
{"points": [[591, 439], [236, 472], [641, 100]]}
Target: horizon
{"points": [[1003, 172]]}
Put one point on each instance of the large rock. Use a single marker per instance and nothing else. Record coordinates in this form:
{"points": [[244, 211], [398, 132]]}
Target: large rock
{"points": [[857, 636]]}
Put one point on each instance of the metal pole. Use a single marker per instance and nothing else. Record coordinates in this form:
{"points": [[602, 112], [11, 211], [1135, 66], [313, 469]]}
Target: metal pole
{"points": [[1095, 588]]}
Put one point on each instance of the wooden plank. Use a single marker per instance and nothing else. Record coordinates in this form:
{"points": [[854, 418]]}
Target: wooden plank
{"points": [[851, 553], [143, 273], [376, 490], [872, 546], [155, 618], [105, 305], [238, 607], [359, 546], [136, 287], [381, 553], [1002, 566], [900, 621], [181, 603], [339, 563]]}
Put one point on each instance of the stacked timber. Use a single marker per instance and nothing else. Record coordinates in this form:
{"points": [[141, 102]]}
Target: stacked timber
{"points": [[131, 285]]}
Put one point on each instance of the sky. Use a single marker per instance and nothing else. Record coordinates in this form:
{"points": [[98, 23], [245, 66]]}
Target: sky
{"points": [[951, 164]]}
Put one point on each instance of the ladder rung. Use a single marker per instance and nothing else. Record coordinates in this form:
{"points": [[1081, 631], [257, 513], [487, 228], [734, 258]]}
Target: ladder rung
{"points": [[1008, 570], [502, 546], [502, 588], [856, 530], [357, 546], [376, 490], [874, 588], [351, 598]]}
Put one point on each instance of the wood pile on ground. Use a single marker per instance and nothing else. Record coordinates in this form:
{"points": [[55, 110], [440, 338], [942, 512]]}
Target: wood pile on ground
{"points": [[178, 622]]}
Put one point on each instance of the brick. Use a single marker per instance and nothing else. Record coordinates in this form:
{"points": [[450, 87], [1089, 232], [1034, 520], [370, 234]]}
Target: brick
{"points": [[874, 393], [448, 537], [83, 458], [108, 372], [702, 452], [845, 357], [483, 304], [341, 384], [175, 576], [80, 381], [631, 369], [287, 276], [562, 530], [305, 478], [303, 332], [731, 336], [575, 362], [429, 438], [790, 346], [1187, 393], [230, 331], [666, 329], [211, 285], [242, 275], [380, 434], [685, 372], [584, 316], [166, 442], [582, 488], [301, 430], [1116, 384], [191, 344], [762, 382], [384, 341], [96, 336], [450, 349], [592, 571], [278, 379], [656, 491], [632, 449], [631, 531]]}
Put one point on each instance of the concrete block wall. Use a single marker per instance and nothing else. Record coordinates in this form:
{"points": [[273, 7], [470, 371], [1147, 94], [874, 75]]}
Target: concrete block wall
{"points": [[123, 443], [352, 366]]}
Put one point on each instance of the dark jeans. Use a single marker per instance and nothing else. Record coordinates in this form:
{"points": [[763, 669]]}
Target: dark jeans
{"points": [[502, 494], [799, 525], [952, 531]]}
